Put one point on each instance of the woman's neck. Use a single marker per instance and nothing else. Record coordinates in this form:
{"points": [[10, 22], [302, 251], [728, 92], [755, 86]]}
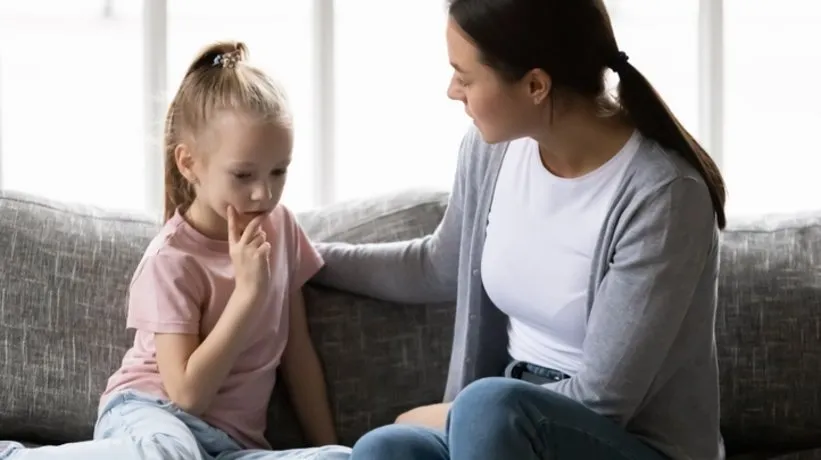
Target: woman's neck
{"points": [[580, 141]]}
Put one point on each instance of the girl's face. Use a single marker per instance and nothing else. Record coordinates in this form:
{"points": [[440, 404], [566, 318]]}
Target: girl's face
{"points": [[243, 165]]}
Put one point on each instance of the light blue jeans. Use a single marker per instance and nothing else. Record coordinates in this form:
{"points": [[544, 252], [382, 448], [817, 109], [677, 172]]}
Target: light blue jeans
{"points": [[135, 426], [504, 418]]}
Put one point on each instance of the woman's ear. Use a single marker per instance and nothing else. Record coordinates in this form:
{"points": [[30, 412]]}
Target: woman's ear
{"points": [[185, 162], [538, 85]]}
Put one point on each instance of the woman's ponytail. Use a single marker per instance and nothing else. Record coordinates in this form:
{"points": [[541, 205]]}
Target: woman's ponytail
{"points": [[655, 120]]}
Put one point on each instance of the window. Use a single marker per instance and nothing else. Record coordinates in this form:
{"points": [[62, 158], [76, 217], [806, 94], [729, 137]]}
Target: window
{"points": [[773, 106], [72, 117], [280, 42], [71, 110], [367, 83], [395, 126], [661, 39]]}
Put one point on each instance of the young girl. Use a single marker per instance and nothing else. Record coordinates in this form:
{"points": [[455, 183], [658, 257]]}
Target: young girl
{"points": [[216, 301]]}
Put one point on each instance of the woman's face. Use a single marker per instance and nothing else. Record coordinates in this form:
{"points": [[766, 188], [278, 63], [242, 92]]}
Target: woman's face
{"points": [[501, 110]]}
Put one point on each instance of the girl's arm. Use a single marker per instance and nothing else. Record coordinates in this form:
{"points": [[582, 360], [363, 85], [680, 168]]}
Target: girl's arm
{"points": [[304, 378], [169, 292], [193, 371]]}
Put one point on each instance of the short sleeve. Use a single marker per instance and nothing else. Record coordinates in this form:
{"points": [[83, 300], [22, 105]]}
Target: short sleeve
{"points": [[165, 296], [305, 261]]}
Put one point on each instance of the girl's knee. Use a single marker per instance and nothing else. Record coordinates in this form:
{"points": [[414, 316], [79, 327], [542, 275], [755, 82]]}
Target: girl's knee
{"points": [[332, 453], [168, 447]]}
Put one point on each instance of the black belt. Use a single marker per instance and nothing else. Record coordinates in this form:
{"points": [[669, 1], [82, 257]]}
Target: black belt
{"points": [[534, 374]]}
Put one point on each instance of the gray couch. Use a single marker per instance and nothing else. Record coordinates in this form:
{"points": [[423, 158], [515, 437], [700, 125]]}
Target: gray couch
{"points": [[65, 271]]}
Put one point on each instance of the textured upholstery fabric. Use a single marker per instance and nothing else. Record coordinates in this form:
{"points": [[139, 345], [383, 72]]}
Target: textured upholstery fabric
{"points": [[65, 269], [64, 276], [769, 332]]}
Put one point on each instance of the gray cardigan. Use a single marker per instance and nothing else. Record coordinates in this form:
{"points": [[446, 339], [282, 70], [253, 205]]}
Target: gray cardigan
{"points": [[649, 354]]}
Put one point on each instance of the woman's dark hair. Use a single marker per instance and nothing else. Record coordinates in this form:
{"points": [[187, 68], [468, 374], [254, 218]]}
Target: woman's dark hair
{"points": [[573, 42]]}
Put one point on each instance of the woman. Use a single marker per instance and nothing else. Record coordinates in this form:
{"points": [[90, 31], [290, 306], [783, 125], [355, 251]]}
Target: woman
{"points": [[581, 245]]}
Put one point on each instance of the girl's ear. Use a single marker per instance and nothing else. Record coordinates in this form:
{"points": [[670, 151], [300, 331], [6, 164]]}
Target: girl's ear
{"points": [[185, 162]]}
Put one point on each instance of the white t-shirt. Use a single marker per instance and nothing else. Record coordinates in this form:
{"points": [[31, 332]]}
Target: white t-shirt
{"points": [[541, 236]]}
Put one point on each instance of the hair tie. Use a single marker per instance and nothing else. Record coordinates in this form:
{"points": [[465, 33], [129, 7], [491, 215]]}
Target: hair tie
{"points": [[618, 63], [227, 60]]}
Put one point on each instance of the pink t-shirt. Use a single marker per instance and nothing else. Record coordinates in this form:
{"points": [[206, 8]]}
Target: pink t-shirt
{"points": [[183, 284]]}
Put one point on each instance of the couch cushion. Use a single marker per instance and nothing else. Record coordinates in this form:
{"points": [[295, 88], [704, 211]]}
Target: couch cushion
{"points": [[381, 359], [769, 332], [64, 275], [391, 217]]}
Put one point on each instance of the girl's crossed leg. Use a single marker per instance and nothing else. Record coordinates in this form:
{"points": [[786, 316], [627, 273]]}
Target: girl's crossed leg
{"points": [[133, 426], [130, 427]]}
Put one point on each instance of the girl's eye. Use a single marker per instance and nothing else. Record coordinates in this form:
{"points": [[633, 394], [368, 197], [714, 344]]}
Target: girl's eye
{"points": [[242, 175], [279, 172]]}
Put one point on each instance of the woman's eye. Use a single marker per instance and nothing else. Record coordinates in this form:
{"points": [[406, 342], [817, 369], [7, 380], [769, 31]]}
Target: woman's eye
{"points": [[279, 172], [242, 175]]}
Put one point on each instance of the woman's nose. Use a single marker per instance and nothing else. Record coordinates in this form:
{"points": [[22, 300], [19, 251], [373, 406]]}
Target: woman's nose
{"points": [[454, 91]]}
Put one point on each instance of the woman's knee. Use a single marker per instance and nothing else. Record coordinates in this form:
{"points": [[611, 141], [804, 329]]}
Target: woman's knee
{"points": [[400, 442], [491, 390], [491, 396]]}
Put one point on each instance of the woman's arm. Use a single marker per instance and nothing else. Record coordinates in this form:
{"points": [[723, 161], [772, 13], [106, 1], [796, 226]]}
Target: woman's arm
{"points": [[304, 378], [644, 298], [415, 271]]}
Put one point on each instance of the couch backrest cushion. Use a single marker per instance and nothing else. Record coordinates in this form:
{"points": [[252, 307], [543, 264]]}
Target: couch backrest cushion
{"points": [[769, 331], [64, 276]]}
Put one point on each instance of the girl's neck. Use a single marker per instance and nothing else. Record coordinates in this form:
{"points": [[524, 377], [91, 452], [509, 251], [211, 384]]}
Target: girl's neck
{"points": [[204, 220]]}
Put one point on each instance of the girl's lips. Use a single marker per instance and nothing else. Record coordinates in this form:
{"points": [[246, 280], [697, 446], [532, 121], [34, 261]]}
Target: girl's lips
{"points": [[255, 213]]}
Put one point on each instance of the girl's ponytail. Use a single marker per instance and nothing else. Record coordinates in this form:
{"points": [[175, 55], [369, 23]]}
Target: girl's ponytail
{"points": [[179, 193]]}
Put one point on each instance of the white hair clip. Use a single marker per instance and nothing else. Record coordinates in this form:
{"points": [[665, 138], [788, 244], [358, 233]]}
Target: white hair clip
{"points": [[229, 59]]}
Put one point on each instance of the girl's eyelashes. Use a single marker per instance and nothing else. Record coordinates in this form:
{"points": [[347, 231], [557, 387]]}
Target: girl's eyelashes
{"points": [[242, 175]]}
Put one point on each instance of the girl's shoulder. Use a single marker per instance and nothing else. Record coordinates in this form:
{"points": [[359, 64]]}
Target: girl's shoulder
{"points": [[284, 221], [170, 259]]}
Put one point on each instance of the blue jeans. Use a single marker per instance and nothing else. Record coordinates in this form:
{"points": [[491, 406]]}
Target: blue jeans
{"points": [[135, 426], [500, 418]]}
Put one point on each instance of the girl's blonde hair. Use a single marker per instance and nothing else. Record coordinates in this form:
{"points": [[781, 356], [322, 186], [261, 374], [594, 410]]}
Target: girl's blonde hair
{"points": [[218, 80]]}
